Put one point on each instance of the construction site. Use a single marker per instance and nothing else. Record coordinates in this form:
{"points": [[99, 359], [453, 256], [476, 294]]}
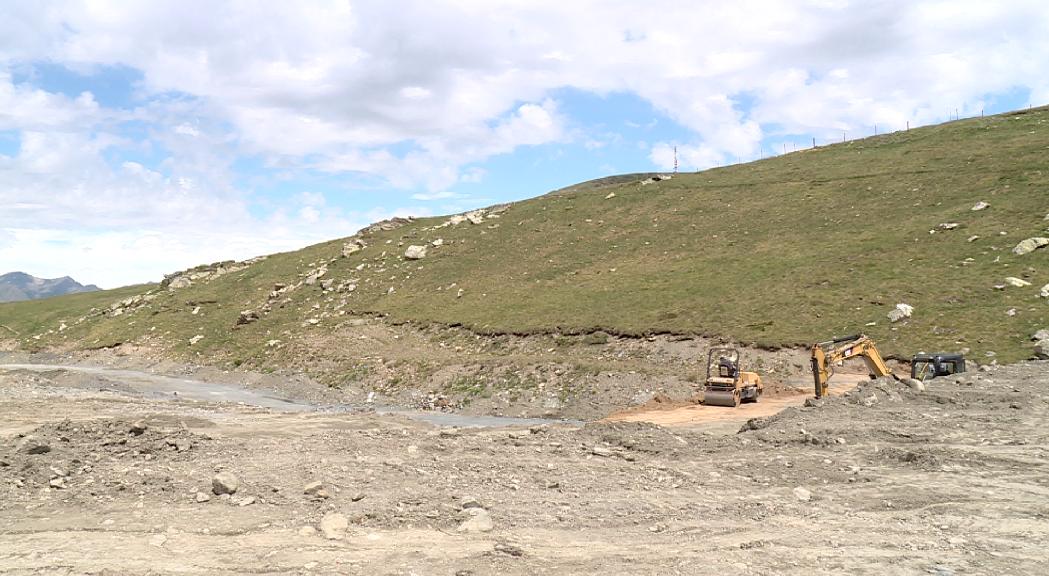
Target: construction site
{"points": [[735, 371]]}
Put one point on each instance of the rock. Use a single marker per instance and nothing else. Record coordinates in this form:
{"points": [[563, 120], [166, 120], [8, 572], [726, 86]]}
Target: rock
{"points": [[247, 317], [307, 531], [352, 247], [202, 497], [457, 220], [601, 451], [179, 282], [225, 483], [327, 284], [57, 483], [1030, 245], [973, 238], [315, 275], [610, 196], [900, 312], [316, 491], [334, 525], [981, 205], [802, 494], [459, 293], [1044, 292], [415, 252], [437, 242], [1042, 334], [914, 384], [246, 501], [470, 502], [477, 520], [949, 225], [196, 339], [475, 217], [1041, 349], [138, 427], [1017, 282], [33, 445]]}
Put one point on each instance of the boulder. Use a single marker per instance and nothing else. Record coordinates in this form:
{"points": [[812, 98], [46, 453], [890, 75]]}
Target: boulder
{"points": [[1042, 334], [981, 205], [900, 312], [475, 217], [415, 252], [1044, 292], [1041, 349], [179, 282], [477, 520], [1017, 282], [802, 494], [333, 525], [247, 317], [33, 445], [1030, 245], [949, 225], [225, 483]]}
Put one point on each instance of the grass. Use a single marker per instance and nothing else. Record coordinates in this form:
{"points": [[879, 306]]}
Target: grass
{"points": [[782, 252]]}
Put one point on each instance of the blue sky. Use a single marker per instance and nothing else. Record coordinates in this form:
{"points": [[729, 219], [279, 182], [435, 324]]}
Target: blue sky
{"points": [[141, 138]]}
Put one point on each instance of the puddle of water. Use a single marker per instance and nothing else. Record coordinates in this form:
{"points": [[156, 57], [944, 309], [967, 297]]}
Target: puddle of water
{"points": [[171, 388]]}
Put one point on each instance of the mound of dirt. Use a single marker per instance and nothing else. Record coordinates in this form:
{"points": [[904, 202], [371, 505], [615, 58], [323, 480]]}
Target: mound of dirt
{"points": [[68, 454]]}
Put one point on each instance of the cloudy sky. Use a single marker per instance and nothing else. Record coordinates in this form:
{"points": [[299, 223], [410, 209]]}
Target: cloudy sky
{"points": [[138, 138]]}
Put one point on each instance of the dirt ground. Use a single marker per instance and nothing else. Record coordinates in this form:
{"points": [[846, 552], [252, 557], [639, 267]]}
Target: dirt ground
{"points": [[98, 479]]}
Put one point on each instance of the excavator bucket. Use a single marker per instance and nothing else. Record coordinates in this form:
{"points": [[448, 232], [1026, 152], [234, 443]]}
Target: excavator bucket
{"points": [[728, 398]]}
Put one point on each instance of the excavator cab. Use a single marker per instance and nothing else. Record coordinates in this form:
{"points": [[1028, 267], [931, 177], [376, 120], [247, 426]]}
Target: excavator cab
{"points": [[927, 366], [726, 384]]}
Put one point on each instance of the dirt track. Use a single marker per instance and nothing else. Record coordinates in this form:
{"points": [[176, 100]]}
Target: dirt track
{"points": [[882, 480]]}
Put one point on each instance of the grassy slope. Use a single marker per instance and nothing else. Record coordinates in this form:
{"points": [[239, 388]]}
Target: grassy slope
{"points": [[781, 252]]}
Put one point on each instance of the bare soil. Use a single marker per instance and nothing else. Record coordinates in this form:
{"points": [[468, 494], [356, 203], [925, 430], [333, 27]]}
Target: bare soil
{"points": [[879, 480]]}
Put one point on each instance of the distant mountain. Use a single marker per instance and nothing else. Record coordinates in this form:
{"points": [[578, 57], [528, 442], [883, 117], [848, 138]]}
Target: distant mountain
{"points": [[16, 286]]}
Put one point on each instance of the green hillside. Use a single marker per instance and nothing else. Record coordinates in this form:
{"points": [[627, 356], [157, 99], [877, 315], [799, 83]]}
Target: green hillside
{"points": [[781, 252]]}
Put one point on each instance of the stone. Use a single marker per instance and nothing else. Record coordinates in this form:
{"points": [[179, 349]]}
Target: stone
{"points": [[802, 494], [437, 242], [415, 252], [914, 384], [601, 451], [57, 483], [247, 317], [307, 531], [1017, 282], [196, 339], [475, 217], [470, 502], [1044, 292], [138, 427], [246, 501], [949, 225], [477, 520], [352, 247], [1042, 334], [316, 491], [1041, 349], [179, 282], [972, 238], [33, 445], [333, 525], [610, 196], [202, 497], [225, 483], [900, 312], [1030, 245], [457, 220], [981, 205]]}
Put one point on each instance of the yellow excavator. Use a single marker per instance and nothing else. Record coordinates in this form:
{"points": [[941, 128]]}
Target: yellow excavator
{"points": [[824, 354], [727, 384]]}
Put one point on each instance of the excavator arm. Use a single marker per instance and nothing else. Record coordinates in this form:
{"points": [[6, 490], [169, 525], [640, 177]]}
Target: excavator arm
{"points": [[825, 354]]}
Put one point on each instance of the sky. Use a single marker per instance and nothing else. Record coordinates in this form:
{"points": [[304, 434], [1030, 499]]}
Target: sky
{"points": [[141, 138]]}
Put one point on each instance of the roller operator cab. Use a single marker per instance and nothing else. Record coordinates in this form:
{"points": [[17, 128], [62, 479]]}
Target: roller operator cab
{"points": [[927, 366]]}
